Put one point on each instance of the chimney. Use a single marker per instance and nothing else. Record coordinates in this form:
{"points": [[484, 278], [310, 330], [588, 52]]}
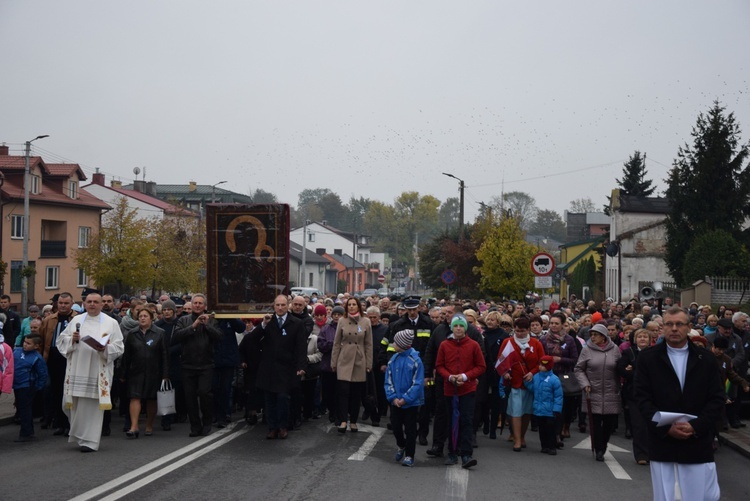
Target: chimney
{"points": [[116, 184], [151, 188], [138, 185], [98, 178], [192, 186], [4, 150]]}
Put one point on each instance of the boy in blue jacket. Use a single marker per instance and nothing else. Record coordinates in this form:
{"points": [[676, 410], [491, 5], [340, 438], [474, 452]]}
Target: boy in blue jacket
{"points": [[548, 401], [404, 389], [30, 375]]}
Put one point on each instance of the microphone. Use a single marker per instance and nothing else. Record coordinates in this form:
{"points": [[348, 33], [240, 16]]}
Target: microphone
{"points": [[78, 327]]}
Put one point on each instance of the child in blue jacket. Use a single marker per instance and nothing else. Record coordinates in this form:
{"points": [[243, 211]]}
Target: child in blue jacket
{"points": [[548, 401], [30, 375], [404, 389]]}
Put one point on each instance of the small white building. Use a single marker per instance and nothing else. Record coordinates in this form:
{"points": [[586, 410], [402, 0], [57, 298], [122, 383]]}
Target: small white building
{"points": [[324, 239], [637, 235]]}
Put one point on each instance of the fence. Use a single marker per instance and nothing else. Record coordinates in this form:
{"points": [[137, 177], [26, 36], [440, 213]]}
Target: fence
{"points": [[729, 290]]}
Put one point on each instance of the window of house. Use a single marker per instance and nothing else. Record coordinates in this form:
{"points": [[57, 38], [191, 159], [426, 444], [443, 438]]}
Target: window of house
{"points": [[311, 237], [52, 277], [73, 189], [15, 276], [310, 282], [36, 184], [16, 226], [84, 234], [83, 280]]}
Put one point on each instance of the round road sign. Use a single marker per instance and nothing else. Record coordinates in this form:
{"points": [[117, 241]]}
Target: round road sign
{"points": [[448, 277], [542, 264], [381, 278]]}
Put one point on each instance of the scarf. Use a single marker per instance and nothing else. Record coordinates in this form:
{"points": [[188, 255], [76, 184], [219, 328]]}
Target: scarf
{"points": [[552, 344], [522, 342], [321, 323], [354, 316]]}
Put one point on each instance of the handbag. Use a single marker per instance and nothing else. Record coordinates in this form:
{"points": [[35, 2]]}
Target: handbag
{"points": [[165, 404], [371, 395], [570, 385], [313, 370]]}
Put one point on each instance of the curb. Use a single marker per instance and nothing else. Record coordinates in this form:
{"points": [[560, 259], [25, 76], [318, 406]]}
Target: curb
{"points": [[733, 443]]}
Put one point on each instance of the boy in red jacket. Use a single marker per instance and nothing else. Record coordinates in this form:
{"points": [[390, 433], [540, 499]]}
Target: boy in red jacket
{"points": [[460, 363]]}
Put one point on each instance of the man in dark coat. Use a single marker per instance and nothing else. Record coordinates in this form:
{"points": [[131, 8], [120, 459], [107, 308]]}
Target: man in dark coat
{"points": [[226, 360], [168, 323], [197, 332], [298, 309], [677, 376], [283, 343]]}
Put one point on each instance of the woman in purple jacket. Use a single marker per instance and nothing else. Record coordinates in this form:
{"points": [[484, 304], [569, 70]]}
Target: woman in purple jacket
{"points": [[326, 337]]}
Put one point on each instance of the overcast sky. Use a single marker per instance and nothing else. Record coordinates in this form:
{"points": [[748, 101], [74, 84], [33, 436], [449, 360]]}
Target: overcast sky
{"points": [[371, 98]]}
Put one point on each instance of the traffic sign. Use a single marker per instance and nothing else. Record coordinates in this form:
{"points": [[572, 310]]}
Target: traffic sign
{"points": [[542, 264], [448, 277], [542, 282], [381, 278]]}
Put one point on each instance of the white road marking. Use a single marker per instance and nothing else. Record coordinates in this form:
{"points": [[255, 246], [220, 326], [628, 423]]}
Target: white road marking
{"points": [[369, 445], [456, 482], [124, 479], [617, 470]]}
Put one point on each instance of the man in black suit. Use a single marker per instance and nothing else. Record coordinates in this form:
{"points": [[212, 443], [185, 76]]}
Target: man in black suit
{"points": [[282, 340], [676, 376]]}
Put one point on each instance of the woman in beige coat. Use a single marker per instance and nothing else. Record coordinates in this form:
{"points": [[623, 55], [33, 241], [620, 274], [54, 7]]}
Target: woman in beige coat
{"points": [[352, 360], [596, 373]]}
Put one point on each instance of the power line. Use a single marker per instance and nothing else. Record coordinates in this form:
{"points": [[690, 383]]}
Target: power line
{"points": [[550, 175]]}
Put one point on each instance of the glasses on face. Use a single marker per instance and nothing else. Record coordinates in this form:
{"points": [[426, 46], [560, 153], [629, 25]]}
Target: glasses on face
{"points": [[675, 324]]}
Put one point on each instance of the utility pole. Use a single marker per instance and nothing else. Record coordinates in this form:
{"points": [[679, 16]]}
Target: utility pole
{"points": [[461, 204], [26, 217], [354, 264], [303, 271]]}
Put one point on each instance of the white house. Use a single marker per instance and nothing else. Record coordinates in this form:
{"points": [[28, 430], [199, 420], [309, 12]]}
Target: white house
{"points": [[637, 235], [324, 239], [146, 206]]}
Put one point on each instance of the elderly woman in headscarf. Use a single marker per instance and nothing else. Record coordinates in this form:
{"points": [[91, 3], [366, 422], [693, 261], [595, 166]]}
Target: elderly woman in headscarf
{"points": [[596, 372], [518, 361]]}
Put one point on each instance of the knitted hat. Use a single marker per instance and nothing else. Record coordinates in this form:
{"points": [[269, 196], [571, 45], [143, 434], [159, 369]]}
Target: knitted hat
{"points": [[338, 309], [600, 329], [320, 310], [596, 317], [547, 361], [168, 305], [700, 340], [459, 320], [403, 339]]}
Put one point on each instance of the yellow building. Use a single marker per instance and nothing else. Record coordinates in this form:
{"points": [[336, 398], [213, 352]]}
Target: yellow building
{"points": [[574, 253]]}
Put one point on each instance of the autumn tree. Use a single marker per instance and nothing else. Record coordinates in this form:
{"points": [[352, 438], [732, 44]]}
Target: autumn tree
{"points": [[179, 254], [505, 256], [448, 214], [517, 204], [121, 253], [716, 253], [447, 251], [582, 205], [708, 187], [548, 223]]}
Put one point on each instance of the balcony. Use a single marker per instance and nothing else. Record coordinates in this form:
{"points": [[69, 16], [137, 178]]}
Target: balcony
{"points": [[52, 248]]}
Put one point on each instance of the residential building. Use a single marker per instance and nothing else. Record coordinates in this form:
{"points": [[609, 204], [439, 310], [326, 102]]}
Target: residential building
{"points": [[191, 196], [327, 240], [637, 248], [585, 225], [62, 218], [317, 273], [145, 205], [348, 270]]}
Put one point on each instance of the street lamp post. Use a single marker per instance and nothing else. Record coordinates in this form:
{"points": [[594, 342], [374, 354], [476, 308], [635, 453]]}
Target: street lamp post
{"points": [[461, 204], [26, 217], [213, 191]]}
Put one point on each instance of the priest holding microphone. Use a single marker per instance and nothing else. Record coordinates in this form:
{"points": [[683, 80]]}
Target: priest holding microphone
{"points": [[91, 343]]}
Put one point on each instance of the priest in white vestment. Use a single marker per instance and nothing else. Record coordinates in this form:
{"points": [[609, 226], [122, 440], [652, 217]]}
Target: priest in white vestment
{"points": [[91, 343]]}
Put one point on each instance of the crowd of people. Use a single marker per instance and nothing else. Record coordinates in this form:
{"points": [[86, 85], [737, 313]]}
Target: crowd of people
{"points": [[455, 368]]}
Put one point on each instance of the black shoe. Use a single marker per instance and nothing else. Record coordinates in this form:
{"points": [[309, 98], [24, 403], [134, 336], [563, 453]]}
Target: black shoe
{"points": [[493, 434], [600, 455], [376, 424], [467, 462], [486, 429], [252, 419], [423, 440], [628, 434], [436, 451], [106, 432], [544, 451], [206, 430], [21, 439], [166, 427], [86, 449], [552, 452], [61, 432], [365, 416], [194, 433], [451, 460], [132, 434], [736, 425], [221, 424], [389, 426]]}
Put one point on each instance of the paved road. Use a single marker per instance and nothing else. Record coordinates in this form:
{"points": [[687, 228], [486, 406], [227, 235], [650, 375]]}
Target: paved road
{"points": [[319, 463]]}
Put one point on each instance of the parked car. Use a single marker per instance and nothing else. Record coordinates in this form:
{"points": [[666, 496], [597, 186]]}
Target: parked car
{"points": [[369, 292], [305, 291]]}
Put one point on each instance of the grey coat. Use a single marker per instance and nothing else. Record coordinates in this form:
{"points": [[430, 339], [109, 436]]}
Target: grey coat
{"points": [[597, 368]]}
